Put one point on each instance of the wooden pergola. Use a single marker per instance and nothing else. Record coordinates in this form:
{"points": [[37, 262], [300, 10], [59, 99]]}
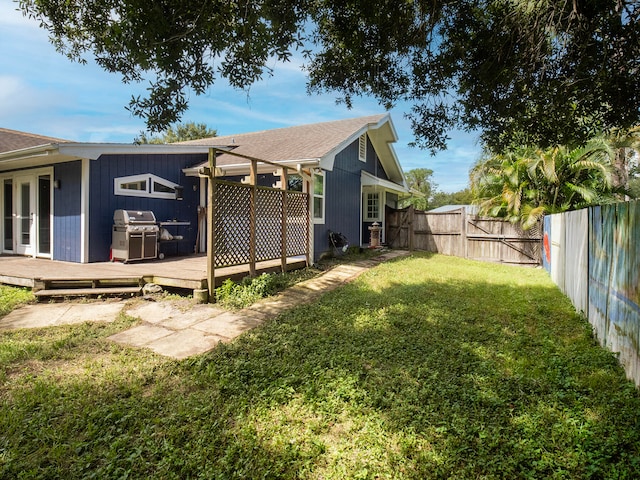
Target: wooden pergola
{"points": [[249, 204]]}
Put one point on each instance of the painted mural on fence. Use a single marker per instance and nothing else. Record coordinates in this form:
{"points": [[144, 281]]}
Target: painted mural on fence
{"points": [[593, 256], [546, 244], [614, 271]]}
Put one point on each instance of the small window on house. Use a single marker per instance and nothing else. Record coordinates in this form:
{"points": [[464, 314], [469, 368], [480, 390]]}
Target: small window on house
{"points": [[138, 186], [318, 197], [362, 147], [372, 207], [294, 183], [146, 185]]}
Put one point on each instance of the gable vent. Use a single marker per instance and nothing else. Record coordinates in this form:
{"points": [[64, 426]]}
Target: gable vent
{"points": [[362, 148]]}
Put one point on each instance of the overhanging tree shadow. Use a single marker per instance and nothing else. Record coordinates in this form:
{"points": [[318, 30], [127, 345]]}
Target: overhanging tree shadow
{"points": [[401, 378]]}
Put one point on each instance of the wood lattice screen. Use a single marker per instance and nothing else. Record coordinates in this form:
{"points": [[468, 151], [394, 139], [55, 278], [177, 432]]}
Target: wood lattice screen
{"points": [[248, 223], [233, 214]]}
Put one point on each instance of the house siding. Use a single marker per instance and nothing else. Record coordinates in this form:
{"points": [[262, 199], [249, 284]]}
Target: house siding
{"points": [[103, 202], [343, 199], [67, 214]]}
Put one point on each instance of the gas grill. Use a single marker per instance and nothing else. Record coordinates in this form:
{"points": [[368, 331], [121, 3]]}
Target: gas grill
{"points": [[134, 236]]}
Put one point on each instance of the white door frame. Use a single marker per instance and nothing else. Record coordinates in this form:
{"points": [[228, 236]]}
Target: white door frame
{"points": [[26, 221]]}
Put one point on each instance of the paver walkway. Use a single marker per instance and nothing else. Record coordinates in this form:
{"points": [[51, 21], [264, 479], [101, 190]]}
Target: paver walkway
{"points": [[173, 331]]}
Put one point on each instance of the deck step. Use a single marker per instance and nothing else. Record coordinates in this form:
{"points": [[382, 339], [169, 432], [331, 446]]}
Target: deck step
{"points": [[84, 292]]}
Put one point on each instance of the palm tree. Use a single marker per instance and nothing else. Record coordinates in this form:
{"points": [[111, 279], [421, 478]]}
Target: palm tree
{"points": [[524, 184]]}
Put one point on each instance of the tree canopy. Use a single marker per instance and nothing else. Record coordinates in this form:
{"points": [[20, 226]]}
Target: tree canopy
{"points": [[425, 194], [179, 133], [546, 72]]}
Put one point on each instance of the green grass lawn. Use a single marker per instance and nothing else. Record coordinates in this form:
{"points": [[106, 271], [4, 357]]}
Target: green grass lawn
{"points": [[425, 367]]}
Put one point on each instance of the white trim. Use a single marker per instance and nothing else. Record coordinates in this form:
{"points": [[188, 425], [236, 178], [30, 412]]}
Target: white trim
{"points": [[3, 178], [323, 196], [369, 180], [84, 210], [362, 148], [149, 192], [365, 205], [32, 250]]}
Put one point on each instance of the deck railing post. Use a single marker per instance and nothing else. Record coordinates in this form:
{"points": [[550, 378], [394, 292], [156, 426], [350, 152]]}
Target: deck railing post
{"points": [[211, 226], [253, 179], [284, 180]]}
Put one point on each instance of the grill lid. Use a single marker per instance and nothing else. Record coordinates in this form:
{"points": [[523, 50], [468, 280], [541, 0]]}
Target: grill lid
{"points": [[134, 217]]}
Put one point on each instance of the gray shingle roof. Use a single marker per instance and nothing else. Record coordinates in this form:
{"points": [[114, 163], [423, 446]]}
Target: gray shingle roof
{"points": [[14, 140], [290, 143]]}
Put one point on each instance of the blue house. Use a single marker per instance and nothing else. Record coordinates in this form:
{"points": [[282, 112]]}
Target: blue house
{"points": [[58, 197], [349, 168]]}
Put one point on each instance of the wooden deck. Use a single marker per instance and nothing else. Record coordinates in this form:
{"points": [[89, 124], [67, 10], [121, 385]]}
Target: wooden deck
{"points": [[184, 272]]}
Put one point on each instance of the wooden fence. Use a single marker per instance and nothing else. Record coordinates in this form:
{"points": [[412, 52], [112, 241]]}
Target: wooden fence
{"points": [[459, 234], [593, 257]]}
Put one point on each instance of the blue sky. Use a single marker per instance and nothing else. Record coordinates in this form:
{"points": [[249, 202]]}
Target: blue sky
{"points": [[42, 92]]}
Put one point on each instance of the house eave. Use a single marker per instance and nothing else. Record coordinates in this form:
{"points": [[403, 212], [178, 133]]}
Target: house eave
{"points": [[33, 157], [368, 180], [382, 135], [65, 152]]}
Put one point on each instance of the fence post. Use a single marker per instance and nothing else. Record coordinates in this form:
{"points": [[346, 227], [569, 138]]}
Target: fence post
{"points": [[412, 217], [463, 233]]}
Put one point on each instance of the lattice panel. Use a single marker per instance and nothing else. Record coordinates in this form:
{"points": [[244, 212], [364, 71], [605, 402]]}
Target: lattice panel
{"points": [[232, 223], [297, 223], [268, 224]]}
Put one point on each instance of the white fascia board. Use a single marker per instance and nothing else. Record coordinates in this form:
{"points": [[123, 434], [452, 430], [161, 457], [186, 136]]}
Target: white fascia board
{"points": [[42, 155], [368, 180], [327, 161], [64, 152], [94, 150], [383, 140]]}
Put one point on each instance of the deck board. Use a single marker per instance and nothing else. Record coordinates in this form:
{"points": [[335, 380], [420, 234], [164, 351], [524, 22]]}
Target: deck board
{"points": [[189, 272]]}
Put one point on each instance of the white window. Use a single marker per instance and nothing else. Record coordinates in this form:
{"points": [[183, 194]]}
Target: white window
{"points": [[372, 207], [318, 197], [146, 185], [362, 147]]}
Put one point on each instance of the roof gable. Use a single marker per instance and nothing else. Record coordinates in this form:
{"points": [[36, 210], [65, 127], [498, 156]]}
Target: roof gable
{"points": [[317, 141], [14, 140], [291, 143]]}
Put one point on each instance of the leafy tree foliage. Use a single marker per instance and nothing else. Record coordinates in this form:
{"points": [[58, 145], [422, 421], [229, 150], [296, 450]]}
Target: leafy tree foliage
{"points": [[461, 197], [178, 45], [425, 194], [545, 72], [422, 187], [524, 184], [180, 133]]}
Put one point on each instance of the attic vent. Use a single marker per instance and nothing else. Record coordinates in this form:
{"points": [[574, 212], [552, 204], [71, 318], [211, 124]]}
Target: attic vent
{"points": [[362, 147]]}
